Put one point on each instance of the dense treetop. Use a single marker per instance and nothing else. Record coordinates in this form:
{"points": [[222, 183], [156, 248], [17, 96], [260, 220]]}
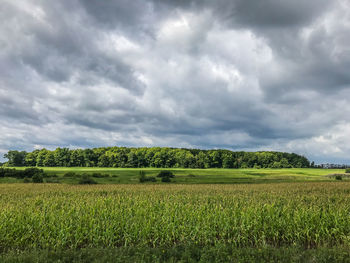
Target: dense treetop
{"points": [[162, 157]]}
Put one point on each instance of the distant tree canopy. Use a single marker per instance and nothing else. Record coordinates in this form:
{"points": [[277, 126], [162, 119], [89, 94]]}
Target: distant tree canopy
{"points": [[16, 158], [160, 157]]}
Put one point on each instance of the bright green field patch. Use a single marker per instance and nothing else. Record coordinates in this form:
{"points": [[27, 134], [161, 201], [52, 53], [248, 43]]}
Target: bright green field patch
{"points": [[191, 176]]}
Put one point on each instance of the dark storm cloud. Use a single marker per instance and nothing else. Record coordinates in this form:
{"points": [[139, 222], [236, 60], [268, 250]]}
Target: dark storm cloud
{"points": [[275, 14], [257, 14], [64, 43], [237, 74], [123, 13]]}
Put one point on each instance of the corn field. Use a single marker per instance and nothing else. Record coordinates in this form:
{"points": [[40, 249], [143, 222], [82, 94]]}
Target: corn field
{"points": [[54, 216]]}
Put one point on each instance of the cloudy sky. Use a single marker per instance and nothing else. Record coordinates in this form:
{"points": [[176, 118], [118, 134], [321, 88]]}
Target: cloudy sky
{"points": [[235, 74]]}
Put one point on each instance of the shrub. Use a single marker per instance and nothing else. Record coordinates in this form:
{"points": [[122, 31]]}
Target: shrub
{"points": [[166, 174], [276, 165], [338, 177], [142, 177], [30, 172], [256, 166], [26, 180], [99, 175], [347, 170], [8, 172], [85, 179], [2, 172], [37, 178], [69, 174], [166, 179]]}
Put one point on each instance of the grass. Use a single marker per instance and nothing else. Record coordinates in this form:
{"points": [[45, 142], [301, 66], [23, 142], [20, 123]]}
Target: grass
{"points": [[191, 176], [57, 217]]}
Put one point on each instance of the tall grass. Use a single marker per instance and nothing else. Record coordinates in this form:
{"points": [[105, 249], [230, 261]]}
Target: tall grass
{"points": [[60, 216]]}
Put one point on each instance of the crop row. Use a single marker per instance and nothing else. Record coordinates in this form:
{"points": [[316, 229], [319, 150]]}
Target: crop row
{"points": [[56, 216]]}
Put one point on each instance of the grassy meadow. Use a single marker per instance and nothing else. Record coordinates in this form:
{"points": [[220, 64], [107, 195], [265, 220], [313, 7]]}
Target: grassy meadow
{"points": [[186, 176]]}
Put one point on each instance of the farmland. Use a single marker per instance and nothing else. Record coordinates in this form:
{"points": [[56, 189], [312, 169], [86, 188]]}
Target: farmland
{"points": [[185, 176], [170, 222]]}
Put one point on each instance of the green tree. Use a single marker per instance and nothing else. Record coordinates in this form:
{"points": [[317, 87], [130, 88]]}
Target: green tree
{"points": [[284, 163], [41, 157], [62, 156], [77, 158], [49, 160], [202, 160], [103, 161], [215, 159], [15, 158], [227, 160], [132, 160], [31, 157]]}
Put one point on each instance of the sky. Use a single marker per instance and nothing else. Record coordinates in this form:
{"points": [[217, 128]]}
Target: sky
{"points": [[233, 74]]}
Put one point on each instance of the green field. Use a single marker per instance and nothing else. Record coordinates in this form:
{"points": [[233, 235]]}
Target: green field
{"points": [[189, 176], [206, 215], [151, 223]]}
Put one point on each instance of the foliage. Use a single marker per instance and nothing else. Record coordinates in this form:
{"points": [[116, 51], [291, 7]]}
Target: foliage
{"points": [[143, 178], [37, 178], [85, 179], [159, 157], [347, 170], [168, 174], [27, 180], [166, 179], [15, 158], [100, 175], [69, 174], [164, 216], [31, 172], [338, 177], [28, 172]]}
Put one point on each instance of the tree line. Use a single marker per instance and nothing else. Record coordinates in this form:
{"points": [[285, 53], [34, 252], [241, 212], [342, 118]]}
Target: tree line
{"points": [[159, 157]]}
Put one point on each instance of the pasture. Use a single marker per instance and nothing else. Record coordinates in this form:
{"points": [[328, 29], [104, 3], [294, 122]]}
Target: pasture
{"points": [[186, 176]]}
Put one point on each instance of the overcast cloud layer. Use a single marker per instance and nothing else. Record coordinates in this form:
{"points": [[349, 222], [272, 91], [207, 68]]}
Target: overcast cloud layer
{"points": [[241, 75]]}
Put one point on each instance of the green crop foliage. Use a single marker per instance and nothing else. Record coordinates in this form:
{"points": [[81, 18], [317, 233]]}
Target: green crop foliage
{"points": [[52, 216]]}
